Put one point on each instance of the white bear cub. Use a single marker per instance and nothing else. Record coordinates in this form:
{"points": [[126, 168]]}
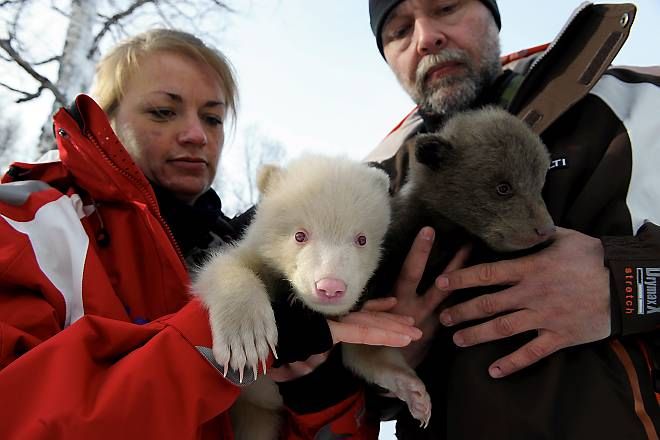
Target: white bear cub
{"points": [[320, 225]]}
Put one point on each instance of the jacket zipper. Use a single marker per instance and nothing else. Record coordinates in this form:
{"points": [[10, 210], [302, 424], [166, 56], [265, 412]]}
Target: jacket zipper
{"points": [[151, 202]]}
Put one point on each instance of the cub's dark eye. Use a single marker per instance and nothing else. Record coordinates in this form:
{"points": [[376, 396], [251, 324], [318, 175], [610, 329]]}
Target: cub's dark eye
{"points": [[361, 240], [300, 236], [504, 189]]}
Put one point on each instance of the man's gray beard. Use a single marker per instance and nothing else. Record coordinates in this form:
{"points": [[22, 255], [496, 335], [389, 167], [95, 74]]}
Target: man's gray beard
{"points": [[452, 94]]}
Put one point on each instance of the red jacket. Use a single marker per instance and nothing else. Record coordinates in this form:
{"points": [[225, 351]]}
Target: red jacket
{"points": [[98, 334]]}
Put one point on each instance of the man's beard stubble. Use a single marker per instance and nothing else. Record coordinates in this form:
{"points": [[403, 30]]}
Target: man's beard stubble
{"points": [[455, 93]]}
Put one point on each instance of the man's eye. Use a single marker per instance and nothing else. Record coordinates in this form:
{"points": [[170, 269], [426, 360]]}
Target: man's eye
{"points": [[401, 31], [446, 9], [398, 32]]}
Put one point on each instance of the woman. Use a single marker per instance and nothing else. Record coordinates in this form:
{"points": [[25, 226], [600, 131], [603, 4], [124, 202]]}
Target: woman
{"points": [[98, 335]]}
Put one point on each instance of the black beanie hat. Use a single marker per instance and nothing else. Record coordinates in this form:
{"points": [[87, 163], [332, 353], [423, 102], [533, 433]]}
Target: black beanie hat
{"points": [[380, 9]]}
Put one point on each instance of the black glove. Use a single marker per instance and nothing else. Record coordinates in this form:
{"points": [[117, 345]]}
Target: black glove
{"points": [[301, 332]]}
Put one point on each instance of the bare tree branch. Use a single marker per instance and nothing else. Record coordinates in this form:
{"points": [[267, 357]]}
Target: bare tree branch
{"points": [[46, 61], [112, 21], [223, 5], [162, 15], [26, 96], [5, 44], [10, 2], [59, 10]]}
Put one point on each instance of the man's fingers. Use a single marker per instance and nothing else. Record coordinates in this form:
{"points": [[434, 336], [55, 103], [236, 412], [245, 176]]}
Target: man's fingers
{"points": [[538, 348], [481, 307], [500, 327], [433, 297], [487, 274], [458, 261], [415, 262]]}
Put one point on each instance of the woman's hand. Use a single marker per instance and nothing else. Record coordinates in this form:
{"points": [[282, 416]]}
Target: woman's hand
{"points": [[374, 324]]}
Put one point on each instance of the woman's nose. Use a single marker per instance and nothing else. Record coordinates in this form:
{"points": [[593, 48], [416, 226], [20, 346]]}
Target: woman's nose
{"points": [[193, 133]]}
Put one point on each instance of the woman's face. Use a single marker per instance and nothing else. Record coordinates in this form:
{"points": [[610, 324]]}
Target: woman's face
{"points": [[171, 122]]}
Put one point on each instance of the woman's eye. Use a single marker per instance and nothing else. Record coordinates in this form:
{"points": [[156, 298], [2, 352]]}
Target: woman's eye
{"points": [[213, 120], [161, 113]]}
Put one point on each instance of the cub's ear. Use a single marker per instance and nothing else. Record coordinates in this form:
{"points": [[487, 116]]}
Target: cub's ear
{"points": [[267, 176], [432, 150], [379, 175]]}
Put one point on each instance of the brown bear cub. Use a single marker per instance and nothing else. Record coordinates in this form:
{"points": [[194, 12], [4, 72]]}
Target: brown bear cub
{"points": [[478, 176]]}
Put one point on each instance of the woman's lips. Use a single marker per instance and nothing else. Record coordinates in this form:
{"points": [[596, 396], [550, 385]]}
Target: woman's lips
{"points": [[189, 163]]}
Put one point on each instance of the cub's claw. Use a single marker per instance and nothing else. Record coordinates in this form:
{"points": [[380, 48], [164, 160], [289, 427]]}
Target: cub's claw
{"points": [[242, 341], [409, 388]]}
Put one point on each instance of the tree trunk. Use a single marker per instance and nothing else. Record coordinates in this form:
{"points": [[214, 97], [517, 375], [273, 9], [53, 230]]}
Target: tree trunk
{"points": [[76, 67]]}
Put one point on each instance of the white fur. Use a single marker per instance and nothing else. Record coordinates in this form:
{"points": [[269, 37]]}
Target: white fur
{"points": [[333, 201]]}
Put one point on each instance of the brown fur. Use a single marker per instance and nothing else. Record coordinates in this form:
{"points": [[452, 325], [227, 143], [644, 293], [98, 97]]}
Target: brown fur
{"points": [[452, 185]]}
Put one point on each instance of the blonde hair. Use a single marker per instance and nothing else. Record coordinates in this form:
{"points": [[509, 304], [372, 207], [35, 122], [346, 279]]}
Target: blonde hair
{"points": [[117, 66]]}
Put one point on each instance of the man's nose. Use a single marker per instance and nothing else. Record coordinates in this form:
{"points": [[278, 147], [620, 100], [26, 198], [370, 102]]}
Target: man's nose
{"points": [[430, 39], [192, 132]]}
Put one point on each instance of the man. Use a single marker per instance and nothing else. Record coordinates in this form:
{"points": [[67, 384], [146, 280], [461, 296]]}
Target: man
{"points": [[567, 348]]}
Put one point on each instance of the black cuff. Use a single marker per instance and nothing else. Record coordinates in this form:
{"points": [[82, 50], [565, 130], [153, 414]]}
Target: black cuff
{"points": [[301, 332], [329, 384], [634, 264]]}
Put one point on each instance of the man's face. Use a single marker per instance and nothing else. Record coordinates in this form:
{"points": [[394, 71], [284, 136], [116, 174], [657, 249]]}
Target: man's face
{"points": [[170, 120], [443, 52]]}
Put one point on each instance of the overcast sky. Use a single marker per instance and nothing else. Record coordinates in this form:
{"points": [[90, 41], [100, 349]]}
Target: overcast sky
{"points": [[310, 72], [311, 77]]}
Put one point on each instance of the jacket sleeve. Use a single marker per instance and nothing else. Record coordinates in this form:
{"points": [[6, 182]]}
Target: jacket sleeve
{"points": [[631, 95], [327, 403], [105, 378], [634, 264]]}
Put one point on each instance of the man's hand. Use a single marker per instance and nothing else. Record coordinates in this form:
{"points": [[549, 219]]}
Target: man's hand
{"points": [[562, 291], [421, 307]]}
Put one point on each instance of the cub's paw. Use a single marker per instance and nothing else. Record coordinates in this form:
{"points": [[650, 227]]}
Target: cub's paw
{"points": [[409, 388], [243, 329]]}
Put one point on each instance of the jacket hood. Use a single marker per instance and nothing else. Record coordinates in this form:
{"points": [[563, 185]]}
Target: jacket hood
{"points": [[94, 157]]}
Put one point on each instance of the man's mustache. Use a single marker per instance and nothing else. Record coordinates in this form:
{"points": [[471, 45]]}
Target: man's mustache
{"points": [[430, 62]]}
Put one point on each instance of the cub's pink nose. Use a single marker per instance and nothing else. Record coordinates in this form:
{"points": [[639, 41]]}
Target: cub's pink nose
{"points": [[330, 287]]}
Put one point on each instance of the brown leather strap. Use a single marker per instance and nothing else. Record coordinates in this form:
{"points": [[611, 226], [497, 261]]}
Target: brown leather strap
{"points": [[573, 64]]}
